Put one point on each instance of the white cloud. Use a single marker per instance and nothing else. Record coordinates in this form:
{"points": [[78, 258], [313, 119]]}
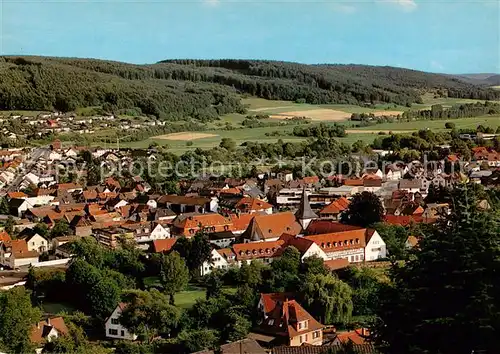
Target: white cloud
{"points": [[346, 9], [435, 65], [405, 5], [211, 3]]}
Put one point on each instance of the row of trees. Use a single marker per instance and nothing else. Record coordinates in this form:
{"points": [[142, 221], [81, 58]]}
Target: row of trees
{"points": [[460, 111], [321, 130]]}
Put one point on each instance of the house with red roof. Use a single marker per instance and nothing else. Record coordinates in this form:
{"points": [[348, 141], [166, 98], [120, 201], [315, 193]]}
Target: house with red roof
{"points": [[253, 205], [334, 209], [48, 330], [15, 254], [288, 322], [357, 336], [163, 246], [189, 224]]}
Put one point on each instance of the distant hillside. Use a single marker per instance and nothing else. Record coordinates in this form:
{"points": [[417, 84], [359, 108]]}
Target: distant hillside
{"points": [[480, 79], [205, 89]]}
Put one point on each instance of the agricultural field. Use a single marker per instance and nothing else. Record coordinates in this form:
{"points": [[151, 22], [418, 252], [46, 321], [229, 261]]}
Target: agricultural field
{"points": [[461, 123], [230, 125]]}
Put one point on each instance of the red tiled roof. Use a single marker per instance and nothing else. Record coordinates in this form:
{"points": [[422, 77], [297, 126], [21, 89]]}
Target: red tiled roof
{"points": [[273, 225], [334, 264], [193, 221], [340, 240], [164, 245], [41, 330], [270, 300], [5, 237], [18, 195], [358, 182], [336, 207], [358, 336], [405, 220], [249, 204], [256, 250], [240, 222], [89, 194], [317, 227], [310, 180], [284, 318]]}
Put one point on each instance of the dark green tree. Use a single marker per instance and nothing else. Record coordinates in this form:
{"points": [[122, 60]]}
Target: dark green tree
{"points": [[313, 265], [196, 340], [213, 283], [17, 317], [174, 274], [149, 314], [444, 299], [365, 209], [327, 298]]}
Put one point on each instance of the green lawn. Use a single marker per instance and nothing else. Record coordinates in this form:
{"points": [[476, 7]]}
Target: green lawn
{"points": [[187, 298]]}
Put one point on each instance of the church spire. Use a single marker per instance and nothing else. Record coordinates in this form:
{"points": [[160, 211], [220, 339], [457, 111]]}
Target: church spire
{"points": [[305, 214]]}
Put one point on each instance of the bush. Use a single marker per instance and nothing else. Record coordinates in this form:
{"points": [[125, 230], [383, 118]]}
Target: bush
{"points": [[449, 125]]}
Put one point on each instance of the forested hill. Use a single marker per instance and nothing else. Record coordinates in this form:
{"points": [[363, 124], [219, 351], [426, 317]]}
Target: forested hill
{"points": [[205, 89]]}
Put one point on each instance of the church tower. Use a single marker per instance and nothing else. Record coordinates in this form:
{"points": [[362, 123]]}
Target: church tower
{"points": [[305, 214]]}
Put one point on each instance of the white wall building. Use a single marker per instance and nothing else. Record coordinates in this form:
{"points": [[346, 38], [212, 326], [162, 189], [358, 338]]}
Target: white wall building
{"points": [[114, 330]]}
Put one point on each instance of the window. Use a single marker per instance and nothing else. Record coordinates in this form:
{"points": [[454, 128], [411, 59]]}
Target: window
{"points": [[315, 334], [113, 332], [300, 325], [122, 333], [301, 340], [306, 338], [271, 322], [115, 321]]}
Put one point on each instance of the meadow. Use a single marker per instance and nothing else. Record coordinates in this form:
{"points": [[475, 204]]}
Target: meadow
{"points": [[230, 125]]}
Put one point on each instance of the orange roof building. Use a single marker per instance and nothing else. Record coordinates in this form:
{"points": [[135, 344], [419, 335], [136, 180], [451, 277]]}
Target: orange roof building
{"points": [[333, 209], [164, 245], [47, 330], [189, 224], [252, 205], [271, 227], [289, 322]]}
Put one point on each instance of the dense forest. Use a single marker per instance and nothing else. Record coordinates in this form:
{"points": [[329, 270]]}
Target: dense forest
{"points": [[205, 89]]}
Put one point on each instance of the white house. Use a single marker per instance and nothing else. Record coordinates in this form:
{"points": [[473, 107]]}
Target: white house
{"points": [[19, 206], [218, 261], [15, 254], [114, 330], [37, 243], [355, 245], [47, 331], [159, 232], [375, 247]]}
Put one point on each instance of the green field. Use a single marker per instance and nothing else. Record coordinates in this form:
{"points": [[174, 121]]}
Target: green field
{"points": [[460, 123]]}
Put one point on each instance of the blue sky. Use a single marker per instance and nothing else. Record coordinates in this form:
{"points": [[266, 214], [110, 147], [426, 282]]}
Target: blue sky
{"points": [[440, 36]]}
